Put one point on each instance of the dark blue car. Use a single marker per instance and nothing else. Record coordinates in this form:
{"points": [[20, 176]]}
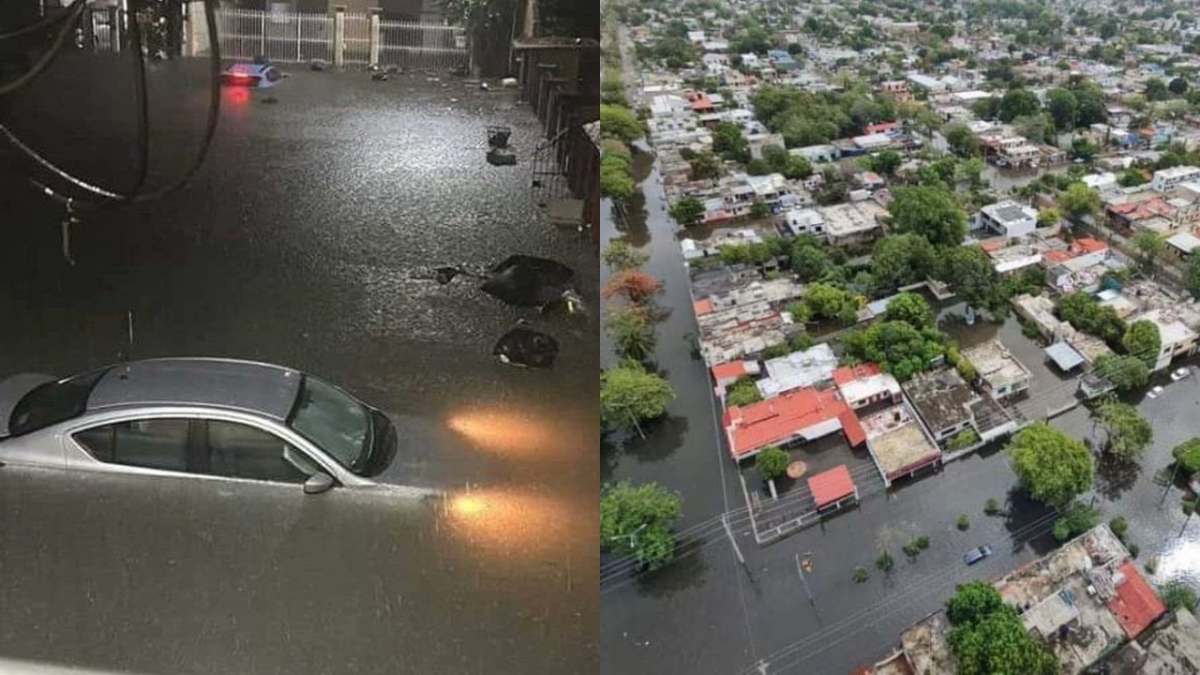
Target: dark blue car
{"points": [[976, 554], [254, 75]]}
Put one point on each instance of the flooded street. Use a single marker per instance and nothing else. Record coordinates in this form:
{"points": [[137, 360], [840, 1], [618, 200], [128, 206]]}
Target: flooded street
{"points": [[305, 241], [707, 613]]}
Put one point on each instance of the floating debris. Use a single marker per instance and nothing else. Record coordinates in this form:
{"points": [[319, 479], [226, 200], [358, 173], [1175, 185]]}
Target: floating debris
{"points": [[269, 100], [498, 136], [526, 348], [509, 83], [318, 65], [379, 77], [501, 157], [528, 281]]}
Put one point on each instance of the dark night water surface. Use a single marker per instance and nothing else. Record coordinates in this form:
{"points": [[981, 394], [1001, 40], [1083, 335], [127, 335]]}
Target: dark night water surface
{"points": [[301, 242]]}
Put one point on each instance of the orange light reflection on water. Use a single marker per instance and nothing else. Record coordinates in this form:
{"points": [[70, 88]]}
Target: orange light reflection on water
{"points": [[502, 432]]}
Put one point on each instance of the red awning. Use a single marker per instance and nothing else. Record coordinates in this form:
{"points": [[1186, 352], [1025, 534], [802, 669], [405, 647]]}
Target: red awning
{"points": [[830, 486]]}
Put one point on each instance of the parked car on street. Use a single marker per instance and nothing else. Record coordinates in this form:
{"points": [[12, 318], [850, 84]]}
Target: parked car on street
{"points": [[1180, 374], [256, 75], [976, 554], [1155, 392], [205, 418]]}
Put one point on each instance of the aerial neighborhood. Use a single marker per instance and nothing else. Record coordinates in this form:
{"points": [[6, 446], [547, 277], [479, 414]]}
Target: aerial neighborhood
{"points": [[937, 268]]}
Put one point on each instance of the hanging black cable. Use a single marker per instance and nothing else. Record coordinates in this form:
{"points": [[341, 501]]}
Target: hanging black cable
{"points": [[41, 24], [55, 49], [111, 197]]}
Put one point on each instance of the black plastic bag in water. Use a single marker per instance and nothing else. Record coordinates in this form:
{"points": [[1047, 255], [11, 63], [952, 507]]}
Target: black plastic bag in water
{"points": [[526, 348], [527, 281]]}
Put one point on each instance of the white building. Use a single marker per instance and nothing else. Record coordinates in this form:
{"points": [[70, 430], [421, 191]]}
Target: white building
{"points": [[1009, 219], [1100, 181], [797, 370], [1177, 339], [1166, 179], [805, 221]]}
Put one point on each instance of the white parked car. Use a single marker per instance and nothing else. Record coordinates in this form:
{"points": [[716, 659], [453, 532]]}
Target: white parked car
{"points": [[1180, 374], [1155, 392]]}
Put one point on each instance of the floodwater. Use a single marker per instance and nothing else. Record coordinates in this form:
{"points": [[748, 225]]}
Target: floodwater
{"points": [[301, 242], [707, 613]]}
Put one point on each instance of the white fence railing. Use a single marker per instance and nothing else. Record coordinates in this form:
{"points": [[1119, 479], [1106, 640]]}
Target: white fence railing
{"points": [[289, 36]]}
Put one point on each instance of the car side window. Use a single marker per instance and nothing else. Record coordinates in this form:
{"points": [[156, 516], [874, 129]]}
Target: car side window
{"points": [[241, 451], [151, 444], [272, 75]]}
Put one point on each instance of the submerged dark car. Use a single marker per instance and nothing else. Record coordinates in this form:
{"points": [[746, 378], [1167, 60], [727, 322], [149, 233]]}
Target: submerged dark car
{"points": [[976, 554], [207, 418]]}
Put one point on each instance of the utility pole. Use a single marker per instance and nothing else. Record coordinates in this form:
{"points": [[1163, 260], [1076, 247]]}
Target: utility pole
{"points": [[1171, 482]]}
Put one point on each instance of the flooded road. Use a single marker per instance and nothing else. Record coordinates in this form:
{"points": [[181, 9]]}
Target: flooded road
{"points": [[300, 242], [708, 614]]}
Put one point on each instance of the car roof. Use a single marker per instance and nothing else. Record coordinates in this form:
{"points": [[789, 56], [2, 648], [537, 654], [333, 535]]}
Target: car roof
{"points": [[248, 67], [247, 386]]}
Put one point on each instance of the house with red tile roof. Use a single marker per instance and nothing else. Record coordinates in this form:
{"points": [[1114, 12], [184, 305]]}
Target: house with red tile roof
{"points": [[1135, 604], [797, 416]]}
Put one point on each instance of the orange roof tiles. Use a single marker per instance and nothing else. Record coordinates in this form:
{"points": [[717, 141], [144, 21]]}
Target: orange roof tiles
{"points": [[776, 420], [733, 369], [701, 307], [1088, 245], [1057, 255], [829, 486], [1135, 604]]}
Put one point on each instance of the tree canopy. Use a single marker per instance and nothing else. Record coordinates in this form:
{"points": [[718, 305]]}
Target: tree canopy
{"points": [[1128, 432], [1187, 454], [1051, 465], [929, 211], [687, 210], [988, 637], [630, 394], [971, 273], [1018, 102], [636, 520], [899, 260], [631, 331], [910, 308], [897, 347], [1079, 200], [1126, 372], [620, 255], [1143, 341], [619, 122]]}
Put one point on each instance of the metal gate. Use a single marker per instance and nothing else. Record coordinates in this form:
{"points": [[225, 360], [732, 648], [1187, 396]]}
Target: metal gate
{"points": [[284, 36]]}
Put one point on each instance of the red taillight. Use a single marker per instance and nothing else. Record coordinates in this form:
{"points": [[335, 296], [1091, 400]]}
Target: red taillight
{"points": [[241, 78]]}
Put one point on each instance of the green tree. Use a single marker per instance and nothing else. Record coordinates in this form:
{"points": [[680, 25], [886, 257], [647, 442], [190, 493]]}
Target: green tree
{"points": [[1131, 177], [809, 262], [1178, 595], [1178, 86], [630, 394], [1126, 372], [989, 637], [899, 260], [1018, 102], [620, 255], [825, 301], [897, 347], [962, 141], [1143, 341], [1076, 520], [986, 108], [1063, 108], [759, 210], [616, 178], [797, 168], [1049, 216], [635, 520], [742, 392], [886, 162], [972, 602], [729, 142], [1036, 128], [1079, 200], [1128, 432], [619, 122], [1156, 90], [631, 332], [1053, 467], [704, 165], [910, 308], [970, 272], [1187, 454], [771, 463], [687, 210], [1150, 245], [931, 212]]}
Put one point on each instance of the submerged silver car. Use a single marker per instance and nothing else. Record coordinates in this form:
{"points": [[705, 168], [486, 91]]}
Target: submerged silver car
{"points": [[216, 419]]}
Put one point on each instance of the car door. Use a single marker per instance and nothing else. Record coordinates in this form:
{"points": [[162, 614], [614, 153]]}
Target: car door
{"points": [[210, 448]]}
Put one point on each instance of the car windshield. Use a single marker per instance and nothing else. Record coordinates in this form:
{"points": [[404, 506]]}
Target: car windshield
{"points": [[333, 421], [52, 403]]}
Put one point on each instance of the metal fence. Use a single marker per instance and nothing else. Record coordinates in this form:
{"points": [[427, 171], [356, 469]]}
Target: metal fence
{"points": [[421, 45], [288, 36]]}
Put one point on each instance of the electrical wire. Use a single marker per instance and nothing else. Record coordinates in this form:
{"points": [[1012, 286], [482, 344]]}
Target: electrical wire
{"points": [[60, 40], [41, 24], [110, 197]]}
